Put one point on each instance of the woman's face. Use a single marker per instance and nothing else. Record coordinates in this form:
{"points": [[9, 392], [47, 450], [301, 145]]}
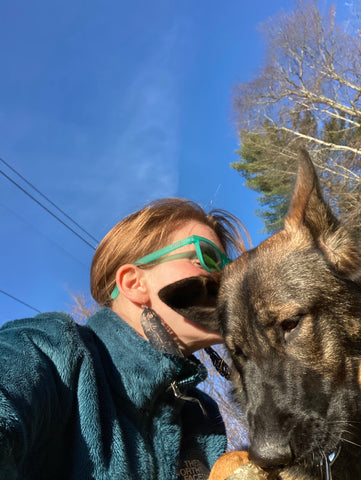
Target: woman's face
{"points": [[190, 336]]}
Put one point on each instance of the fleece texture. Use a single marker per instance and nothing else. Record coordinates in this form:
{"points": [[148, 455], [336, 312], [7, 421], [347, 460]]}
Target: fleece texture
{"points": [[94, 402]]}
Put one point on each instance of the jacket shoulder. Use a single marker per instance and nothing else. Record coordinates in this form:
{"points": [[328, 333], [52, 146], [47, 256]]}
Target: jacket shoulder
{"points": [[42, 319], [55, 334], [49, 323]]}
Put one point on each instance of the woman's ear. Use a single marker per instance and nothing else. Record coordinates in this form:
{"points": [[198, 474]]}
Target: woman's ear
{"points": [[131, 284]]}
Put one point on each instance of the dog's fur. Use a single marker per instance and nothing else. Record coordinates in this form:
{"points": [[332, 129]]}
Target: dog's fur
{"points": [[290, 314]]}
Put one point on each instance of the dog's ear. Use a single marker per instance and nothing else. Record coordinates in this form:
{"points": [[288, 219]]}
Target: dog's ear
{"points": [[195, 298], [308, 209]]}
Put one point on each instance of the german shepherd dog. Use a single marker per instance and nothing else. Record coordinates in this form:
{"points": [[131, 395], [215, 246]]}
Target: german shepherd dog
{"points": [[290, 314]]}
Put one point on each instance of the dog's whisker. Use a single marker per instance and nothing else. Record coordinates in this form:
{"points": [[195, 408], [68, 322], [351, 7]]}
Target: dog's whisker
{"points": [[345, 422], [350, 442]]}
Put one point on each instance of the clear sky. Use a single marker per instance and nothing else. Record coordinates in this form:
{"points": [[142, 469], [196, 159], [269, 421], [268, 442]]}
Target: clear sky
{"points": [[104, 106]]}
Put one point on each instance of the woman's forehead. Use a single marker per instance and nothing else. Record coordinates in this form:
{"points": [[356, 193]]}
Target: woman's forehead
{"points": [[195, 228]]}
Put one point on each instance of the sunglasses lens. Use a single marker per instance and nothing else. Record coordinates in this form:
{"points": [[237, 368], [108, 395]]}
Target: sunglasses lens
{"points": [[211, 257]]}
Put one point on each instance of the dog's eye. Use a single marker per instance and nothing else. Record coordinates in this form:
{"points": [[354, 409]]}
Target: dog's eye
{"points": [[289, 325]]}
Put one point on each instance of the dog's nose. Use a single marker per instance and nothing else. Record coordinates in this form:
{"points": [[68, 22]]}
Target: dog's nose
{"points": [[270, 455]]}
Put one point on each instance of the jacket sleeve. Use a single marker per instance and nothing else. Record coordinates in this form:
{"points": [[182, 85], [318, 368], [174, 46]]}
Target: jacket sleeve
{"points": [[30, 388]]}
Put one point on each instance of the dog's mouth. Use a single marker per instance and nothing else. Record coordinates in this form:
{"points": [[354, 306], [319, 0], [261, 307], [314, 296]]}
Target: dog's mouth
{"points": [[325, 466]]}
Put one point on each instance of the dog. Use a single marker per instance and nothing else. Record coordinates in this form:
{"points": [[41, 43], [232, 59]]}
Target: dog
{"points": [[290, 315]]}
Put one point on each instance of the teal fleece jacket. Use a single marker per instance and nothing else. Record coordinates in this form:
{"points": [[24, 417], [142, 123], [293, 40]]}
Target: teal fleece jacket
{"points": [[95, 402]]}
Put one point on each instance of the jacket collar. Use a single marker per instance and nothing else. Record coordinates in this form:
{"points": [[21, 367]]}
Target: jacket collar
{"points": [[137, 369]]}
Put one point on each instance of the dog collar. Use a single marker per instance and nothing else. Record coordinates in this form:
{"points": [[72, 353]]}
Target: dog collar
{"points": [[327, 462]]}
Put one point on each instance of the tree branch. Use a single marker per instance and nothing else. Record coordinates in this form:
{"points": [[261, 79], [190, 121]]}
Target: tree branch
{"points": [[331, 146]]}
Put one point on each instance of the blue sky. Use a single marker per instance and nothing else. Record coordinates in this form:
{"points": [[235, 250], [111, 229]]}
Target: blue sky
{"points": [[104, 106]]}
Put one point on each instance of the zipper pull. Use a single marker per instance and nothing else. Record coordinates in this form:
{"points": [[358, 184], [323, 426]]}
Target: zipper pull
{"points": [[178, 394]]}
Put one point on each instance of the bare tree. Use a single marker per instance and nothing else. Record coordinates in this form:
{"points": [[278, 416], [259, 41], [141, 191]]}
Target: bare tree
{"points": [[308, 92], [220, 390], [82, 307]]}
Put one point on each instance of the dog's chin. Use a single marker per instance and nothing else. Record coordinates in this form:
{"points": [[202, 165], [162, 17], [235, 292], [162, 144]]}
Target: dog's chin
{"points": [[305, 470], [296, 472], [320, 448], [313, 455]]}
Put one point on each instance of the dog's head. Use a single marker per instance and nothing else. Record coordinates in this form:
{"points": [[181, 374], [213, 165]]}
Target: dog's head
{"points": [[290, 314]]}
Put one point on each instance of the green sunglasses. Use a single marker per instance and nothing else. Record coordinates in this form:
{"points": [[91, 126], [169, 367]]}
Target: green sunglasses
{"points": [[209, 255]]}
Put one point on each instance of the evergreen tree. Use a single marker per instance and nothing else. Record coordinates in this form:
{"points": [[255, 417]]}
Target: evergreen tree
{"points": [[308, 93]]}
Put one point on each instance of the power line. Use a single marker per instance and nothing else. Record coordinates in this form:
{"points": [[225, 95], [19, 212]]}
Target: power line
{"points": [[50, 201], [20, 301], [49, 211], [49, 238]]}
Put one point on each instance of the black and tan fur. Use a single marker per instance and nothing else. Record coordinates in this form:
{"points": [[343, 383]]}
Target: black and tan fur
{"points": [[290, 313]]}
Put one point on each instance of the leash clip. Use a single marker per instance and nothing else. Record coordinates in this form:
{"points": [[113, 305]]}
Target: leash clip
{"points": [[326, 464], [180, 396], [325, 468]]}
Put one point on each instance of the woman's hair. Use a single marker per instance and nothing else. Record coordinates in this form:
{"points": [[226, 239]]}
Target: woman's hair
{"points": [[148, 230]]}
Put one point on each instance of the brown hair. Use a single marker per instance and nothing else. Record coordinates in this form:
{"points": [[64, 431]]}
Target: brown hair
{"points": [[148, 230]]}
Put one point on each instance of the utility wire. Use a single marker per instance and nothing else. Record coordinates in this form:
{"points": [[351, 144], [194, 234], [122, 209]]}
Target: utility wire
{"points": [[49, 211], [48, 199], [20, 301]]}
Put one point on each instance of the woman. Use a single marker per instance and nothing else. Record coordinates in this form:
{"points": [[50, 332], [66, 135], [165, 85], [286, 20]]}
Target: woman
{"points": [[117, 398]]}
